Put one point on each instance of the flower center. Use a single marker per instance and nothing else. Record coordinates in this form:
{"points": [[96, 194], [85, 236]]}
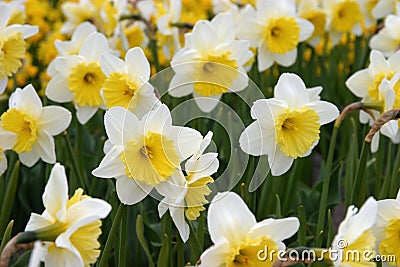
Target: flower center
{"points": [[248, 253], [85, 82], [21, 124], [364, 246], [373, 89], [195, 196], [297, 131], [135, 35], [282, 34], [118, 90], [12, 51], [215, 75], [346, 15], [390, 245], [151, 159]]}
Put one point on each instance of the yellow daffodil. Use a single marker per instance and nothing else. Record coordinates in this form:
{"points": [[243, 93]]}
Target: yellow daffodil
{"points": [[140, 154], [211, 63], [184, 196], [34, 126], [287, 126], [354, 243], [387, 230], [238, 238], [12, 45], [126, 84], [69, 227], [275, 29], [79, 78]]}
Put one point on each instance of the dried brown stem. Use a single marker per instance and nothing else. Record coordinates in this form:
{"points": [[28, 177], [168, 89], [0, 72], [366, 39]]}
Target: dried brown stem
{"points": [[384, 118], [11, 248], [350, 108]]}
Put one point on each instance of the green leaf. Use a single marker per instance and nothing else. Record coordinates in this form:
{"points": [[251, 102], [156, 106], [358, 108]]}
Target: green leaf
{"points": [[163, 257], [142, 240], [7, 235]]}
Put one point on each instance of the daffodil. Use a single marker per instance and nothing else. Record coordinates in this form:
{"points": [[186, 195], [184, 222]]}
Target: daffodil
{"points": [[211, 63], [69, 227], [165, 26], [238, 239], [79, 78], [141, 154], [126, 84], [12, 45], [382, 8], [312, 11], [275, 29], [367, 8], [287, 126], [34, 126], [184, 196], [387, 229], [367, 84], [7, 141], [354, 243], [344, 16], [78, 12], [387, 40]]}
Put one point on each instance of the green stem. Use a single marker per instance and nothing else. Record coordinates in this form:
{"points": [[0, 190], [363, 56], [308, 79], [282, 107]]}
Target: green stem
{"points": [[325, 185], [81, 182], [154, 52], [111, 236], [123, 238], [394, 186], [360, 183]]}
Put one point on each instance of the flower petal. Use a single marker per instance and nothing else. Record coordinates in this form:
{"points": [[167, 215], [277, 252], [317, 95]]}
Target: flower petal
{"points": [[279, 162], [110, 63], [138, 65], [54, 119], [206, 104], [130, 191], [291, 89], [121, 125], [277, 230], [55, 194], [57, 89], [111, 165]]}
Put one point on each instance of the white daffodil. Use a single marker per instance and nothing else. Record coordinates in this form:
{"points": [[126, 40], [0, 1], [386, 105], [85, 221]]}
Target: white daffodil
{"points": [[387, 229], [7, 141], [79, 78], [140, 154], [387, 40], [76, 13], [12, 45], [312, 11], [238, 238], [354, 243], [127, 83], [384, 7], [211, 63], [275, 29], [367, 84], [287, 126], [34, 126], [367, 8], [344, 16], [165, 27], [185, 195], [130, 35], [69, 227]]}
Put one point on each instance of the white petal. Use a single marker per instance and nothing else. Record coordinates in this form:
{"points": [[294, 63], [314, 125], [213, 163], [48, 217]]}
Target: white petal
{"points": [[45, 147], [378, 63], [205, 166], [178, 216], [3, 163], [229, 218], [55, 194], [265, 58], [390, 129], [57, 89], [86, 211], [255, 141], [306, 28], [314, 93], [375, 143], [27, 100], [29, 158], [64, 65], [359, 82], [186, 139], [326, 111], [181, 85], [54, 119], [62, 257], [7, 139], [138, 66], [110, 63], [223, 25], [206, 104], [121, 125], [111, 165], [291, 89], [286, 59], [241, 82], [216, 255], [37, 254], [277, 230], [26, 30], [5, 13], [130, 191], [279, 162], [3, 85], [203, 37], [93, 46], [84, 114], [37, 221], [382, 8], [158, 120]]}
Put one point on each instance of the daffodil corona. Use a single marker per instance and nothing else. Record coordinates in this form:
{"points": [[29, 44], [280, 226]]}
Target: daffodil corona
{"points": [[287, 126]]}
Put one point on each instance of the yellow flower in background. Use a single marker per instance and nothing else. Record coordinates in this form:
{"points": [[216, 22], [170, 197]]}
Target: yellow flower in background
{"points": [[126, 84], [211, 63], [69, 227], [288, 125], [12, 45], [238, 237], [141, 154], [185, 196], [275, 29], [387, 230], [34, 126], [79, 78], [355, 235], [312, 11]]}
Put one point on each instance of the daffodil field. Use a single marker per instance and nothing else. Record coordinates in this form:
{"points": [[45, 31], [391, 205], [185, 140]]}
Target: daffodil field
{"points": [[206, 133]]}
